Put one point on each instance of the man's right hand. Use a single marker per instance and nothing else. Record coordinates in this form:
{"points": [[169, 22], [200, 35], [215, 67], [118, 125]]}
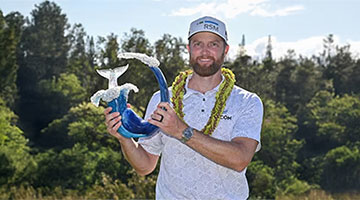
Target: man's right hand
{"points": [[113, 123], [142, 161]]}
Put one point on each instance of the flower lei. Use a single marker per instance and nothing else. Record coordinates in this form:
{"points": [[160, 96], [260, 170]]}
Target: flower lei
{"points": [[220, 103]]}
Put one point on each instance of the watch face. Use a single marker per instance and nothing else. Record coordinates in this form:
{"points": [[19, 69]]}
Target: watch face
{"points": [[188, 133]]}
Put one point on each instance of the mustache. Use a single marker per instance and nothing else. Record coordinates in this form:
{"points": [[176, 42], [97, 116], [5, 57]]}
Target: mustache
{"points": [[205, 57]]}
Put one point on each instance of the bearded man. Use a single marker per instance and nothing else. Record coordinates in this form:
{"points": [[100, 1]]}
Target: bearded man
{"points": [[210, 131]]}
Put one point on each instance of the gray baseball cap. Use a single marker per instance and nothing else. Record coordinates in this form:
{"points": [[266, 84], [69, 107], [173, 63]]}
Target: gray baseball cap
{"points": [[208, 24]]}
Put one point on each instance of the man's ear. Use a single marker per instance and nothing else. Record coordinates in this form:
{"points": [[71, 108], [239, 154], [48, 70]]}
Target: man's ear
{"points": [[188, 48], [227, 49]]}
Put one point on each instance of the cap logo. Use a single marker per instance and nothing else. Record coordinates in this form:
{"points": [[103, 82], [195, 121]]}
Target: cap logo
{"points": [[211, 27], [211, 22]]}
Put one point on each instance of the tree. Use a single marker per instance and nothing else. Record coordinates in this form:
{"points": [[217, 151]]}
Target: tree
{"points": [[83, 124], [341, 170], [109, 55], [17, 165], [44, 41], [297, 82], [245, 72], [269, 48], [76, 168], [44, 47], [254, 76], [337, 65], [261, 180], [242, 50], [81, 151], [110, 189], [335, 119], [354, 79], [59, 95], [330, 123], [278, 132], [279, 148], [136, 42], [170, 52], [10, 33], [143, 186], [82, 59]]}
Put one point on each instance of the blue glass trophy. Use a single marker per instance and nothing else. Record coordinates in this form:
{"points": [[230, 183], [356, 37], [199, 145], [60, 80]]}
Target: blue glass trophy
{"points": [[116, 96]]}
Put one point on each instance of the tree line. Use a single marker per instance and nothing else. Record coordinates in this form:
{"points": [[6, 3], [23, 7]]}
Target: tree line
{"points": [[54, 142]]}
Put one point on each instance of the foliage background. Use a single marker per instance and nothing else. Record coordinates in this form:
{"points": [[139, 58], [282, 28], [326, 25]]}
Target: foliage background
{"points": [[53, 142]]}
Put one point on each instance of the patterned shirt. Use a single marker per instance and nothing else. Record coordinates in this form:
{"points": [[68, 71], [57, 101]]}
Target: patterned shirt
{"points": [[186, 174]]}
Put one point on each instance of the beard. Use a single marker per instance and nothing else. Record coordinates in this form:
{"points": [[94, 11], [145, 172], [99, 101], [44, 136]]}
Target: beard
{"points": [[205, 71]]}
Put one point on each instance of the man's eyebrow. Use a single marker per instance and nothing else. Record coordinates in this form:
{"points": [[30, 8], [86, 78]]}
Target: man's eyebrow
{"points": [[194, 41], [216, 40]]}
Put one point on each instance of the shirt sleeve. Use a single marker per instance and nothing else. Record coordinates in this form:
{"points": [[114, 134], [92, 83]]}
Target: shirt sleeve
{"points": [[250, 121], [152, 144]]}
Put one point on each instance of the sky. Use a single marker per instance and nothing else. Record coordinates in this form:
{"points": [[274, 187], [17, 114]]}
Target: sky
{"points": [[300, 25]]}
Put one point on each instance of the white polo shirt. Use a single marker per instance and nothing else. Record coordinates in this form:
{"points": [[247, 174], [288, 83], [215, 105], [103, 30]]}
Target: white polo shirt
{"points": [[186, 174]]}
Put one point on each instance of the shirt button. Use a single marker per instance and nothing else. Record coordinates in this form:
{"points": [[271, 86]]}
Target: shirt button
{"points": [[203, 99], [202, 110]]}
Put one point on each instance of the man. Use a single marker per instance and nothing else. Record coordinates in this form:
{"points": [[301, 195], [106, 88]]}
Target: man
{"points": [[210, 131]]}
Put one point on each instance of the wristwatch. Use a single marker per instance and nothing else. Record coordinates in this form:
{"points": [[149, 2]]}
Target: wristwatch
{"points": [[187, 134]]}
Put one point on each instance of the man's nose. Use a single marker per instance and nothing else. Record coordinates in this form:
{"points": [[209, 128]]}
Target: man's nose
{"points": [[205, 50]]}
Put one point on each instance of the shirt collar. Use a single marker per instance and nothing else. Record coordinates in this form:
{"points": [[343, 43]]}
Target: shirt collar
{"points": [[189, 91]]}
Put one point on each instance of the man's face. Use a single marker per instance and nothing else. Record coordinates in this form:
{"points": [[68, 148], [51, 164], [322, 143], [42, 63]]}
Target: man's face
{"points": [[207, 52]]}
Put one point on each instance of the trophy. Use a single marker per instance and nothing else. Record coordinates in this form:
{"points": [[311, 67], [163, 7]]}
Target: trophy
{"points": [[132, 126]]}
